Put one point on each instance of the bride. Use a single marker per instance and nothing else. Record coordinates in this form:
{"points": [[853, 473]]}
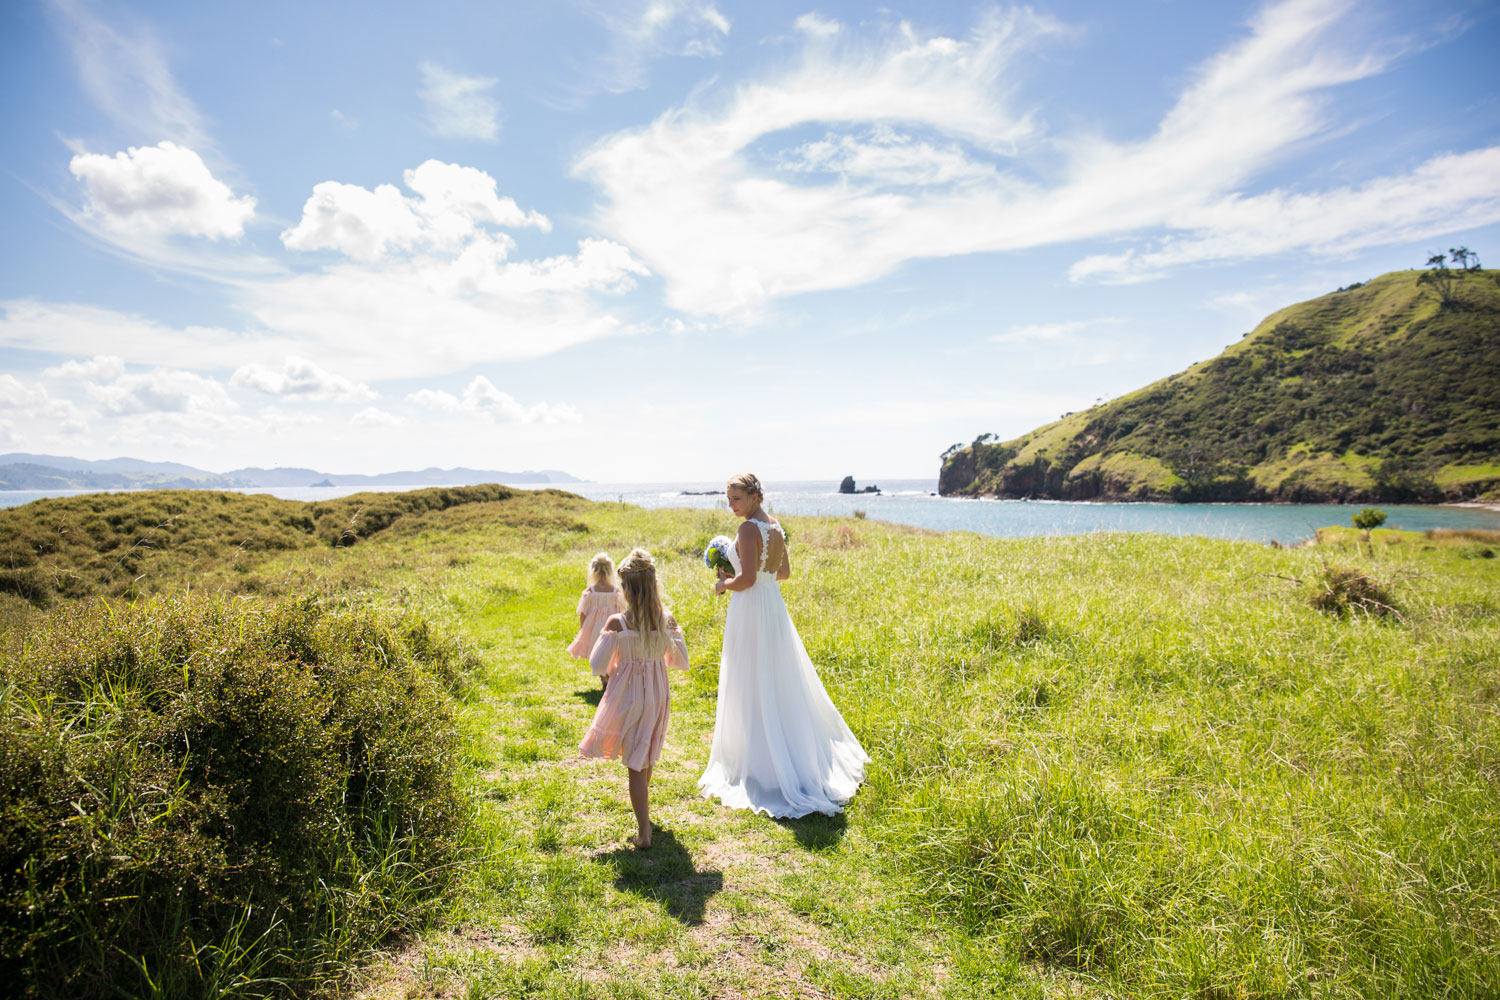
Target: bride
{"points": [[780, 747]]}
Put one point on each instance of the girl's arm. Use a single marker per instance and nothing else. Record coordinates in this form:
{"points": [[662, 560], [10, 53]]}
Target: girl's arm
{"points": [[785, 569], [747, 545], [677, 654], [602, 658]]}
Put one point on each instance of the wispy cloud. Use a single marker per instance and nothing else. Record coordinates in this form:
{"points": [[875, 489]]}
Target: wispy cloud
{"points": [[458, 106], [124, 72], [817, 26], [642, 31], [1024, 332], [1445, 194], [926, 155]]}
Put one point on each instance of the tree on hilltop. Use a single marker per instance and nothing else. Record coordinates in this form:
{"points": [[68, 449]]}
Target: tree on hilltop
{"points": [[1440, 277], [1464, 258]]}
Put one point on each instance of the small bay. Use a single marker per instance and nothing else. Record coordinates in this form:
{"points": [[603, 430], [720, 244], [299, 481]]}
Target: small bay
{"points": [[914, 502]]}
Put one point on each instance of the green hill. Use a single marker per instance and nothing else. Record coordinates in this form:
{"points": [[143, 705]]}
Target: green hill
{"points": [[1379, 392], [133, 544]]}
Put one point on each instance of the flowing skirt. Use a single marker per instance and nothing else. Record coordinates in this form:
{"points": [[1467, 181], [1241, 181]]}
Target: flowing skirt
{"points": [[630, 724], [780, 747]]}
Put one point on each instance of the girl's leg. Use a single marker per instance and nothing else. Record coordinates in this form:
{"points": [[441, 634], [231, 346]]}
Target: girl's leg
{"points": [[640, 801]]}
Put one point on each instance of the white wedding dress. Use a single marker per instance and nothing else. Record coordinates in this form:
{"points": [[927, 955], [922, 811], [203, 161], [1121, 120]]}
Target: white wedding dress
{"points": [[780, 747]]}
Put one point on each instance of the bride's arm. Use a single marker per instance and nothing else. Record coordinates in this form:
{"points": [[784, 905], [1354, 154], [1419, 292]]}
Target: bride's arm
{"points": [[747, 546], [785, 569]]}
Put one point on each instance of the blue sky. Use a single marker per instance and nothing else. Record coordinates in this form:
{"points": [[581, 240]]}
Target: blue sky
{"points": [[677, 239]]}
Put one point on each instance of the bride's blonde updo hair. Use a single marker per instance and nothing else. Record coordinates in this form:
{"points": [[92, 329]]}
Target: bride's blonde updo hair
{"points": [[746, 482], [643, 598]]}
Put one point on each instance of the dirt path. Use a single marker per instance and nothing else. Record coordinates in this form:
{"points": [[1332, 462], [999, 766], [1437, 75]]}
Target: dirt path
{"points": [[724, 904]]}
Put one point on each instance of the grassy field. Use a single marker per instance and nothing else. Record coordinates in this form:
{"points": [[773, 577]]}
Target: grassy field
{"points": [[1104, 766]]}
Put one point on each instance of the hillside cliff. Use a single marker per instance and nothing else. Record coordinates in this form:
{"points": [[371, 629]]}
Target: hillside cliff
{"points": [[1379, 392]]}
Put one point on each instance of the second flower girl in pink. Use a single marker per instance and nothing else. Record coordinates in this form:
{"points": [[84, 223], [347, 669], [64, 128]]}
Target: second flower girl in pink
{"points": [[600, 599]]}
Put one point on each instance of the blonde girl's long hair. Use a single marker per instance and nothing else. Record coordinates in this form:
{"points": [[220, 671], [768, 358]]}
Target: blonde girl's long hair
{"points": [[643, 599], [601, 569]]}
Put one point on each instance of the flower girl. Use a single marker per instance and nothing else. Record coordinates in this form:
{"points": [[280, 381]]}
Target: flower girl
{"points": [[634, 651], [600, 599]]}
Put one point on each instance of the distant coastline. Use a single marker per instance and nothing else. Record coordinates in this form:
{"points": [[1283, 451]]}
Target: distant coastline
{"points": [[24, 471]]}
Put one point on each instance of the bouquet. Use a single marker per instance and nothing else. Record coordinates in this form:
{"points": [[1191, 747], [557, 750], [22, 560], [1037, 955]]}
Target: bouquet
{"points": [[716, 556]]}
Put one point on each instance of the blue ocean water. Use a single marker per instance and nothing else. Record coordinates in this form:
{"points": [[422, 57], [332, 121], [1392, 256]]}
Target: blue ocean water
{"points": [[915, 502]]}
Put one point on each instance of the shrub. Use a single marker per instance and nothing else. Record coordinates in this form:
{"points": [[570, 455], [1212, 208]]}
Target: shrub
{"points": [[1341, 590], [210, 797]]}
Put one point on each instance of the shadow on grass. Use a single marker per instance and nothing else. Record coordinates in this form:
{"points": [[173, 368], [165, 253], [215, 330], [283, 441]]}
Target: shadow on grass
{"points": [[590, 696], [816, 832], [666, 874]]}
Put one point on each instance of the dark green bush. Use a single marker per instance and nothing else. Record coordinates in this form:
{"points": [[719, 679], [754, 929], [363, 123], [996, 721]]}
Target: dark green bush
{"points": [[218, 797]]}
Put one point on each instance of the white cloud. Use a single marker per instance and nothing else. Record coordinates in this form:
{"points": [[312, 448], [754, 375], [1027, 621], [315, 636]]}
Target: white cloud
{"points": [[356, 221], [433, 313], [32, 401], [372, 416], [18, 395], [159, 190], [431, 286], [162, 390], [483, 398], [100, 366], [644, 30], [459, 107], [924, 157], [817, 26], [300, 377], [452, 202]]}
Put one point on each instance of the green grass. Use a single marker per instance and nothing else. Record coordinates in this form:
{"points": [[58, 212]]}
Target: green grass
{"points": [[1104, 766]]}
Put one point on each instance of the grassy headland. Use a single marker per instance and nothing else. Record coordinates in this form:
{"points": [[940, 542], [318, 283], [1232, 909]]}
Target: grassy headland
{"points": [[1379, 392], [1104, 766]]}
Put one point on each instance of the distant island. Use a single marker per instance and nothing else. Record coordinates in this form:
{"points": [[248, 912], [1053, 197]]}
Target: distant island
{"points": [[1384, 391], [21, 471], [848, 486]]}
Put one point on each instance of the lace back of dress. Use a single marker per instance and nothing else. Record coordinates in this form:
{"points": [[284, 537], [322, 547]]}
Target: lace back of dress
{"points": [[765, 542]]}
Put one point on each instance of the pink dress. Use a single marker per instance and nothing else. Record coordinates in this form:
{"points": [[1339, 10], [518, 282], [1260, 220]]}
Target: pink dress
{"points": [[596, 606], [631, 721]]}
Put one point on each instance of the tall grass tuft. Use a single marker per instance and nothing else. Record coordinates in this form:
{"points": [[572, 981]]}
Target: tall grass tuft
{"points": [[205, 797], [1343, 590]]}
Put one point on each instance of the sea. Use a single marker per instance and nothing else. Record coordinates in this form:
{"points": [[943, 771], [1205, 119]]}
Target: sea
{"points": [[915, 502]]}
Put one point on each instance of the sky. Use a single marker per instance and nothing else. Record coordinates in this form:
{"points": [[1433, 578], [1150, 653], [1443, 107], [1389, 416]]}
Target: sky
{"points": [[680, 239]]}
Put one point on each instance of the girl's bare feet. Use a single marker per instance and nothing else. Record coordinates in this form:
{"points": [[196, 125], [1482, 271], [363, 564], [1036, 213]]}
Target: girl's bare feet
{"points": [[641, 843]]}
